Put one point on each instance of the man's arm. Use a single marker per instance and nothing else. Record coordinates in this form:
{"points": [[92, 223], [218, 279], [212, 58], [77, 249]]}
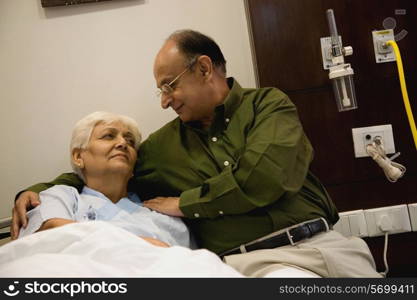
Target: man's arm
{"points": [[275, 161], [28, 199], [70, 179]]}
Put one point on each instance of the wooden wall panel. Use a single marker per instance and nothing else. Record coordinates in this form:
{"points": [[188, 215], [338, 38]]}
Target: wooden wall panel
{"points": [[286, 37], [287, 34]]}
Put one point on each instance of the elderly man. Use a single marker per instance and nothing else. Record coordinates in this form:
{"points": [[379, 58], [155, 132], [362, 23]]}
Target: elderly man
{"points": [[235, 165]]}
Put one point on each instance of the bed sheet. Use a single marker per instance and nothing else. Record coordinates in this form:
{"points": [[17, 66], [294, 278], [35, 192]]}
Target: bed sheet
{"points": [[100, 249]]}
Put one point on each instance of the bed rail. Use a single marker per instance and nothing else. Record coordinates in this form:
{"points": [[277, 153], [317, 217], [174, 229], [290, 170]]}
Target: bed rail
{"points": [[4, 223]]}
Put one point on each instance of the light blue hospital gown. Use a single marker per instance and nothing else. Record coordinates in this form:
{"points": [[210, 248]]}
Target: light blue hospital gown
{"points": [[65, 202]]}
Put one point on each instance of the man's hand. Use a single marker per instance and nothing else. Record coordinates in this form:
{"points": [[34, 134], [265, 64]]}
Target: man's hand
{"points": [[26, 201], [155, 242], [166, 205]]}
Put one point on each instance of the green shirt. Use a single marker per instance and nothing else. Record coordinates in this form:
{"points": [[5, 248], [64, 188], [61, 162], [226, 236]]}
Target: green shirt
{"points": [[245, 177]]}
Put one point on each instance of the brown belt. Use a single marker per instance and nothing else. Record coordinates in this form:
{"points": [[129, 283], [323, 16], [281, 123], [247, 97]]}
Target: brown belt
{"points": [[287, 236]]}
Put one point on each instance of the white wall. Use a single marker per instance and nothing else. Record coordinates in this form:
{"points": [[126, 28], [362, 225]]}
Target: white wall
{"points": [[59, 64]]}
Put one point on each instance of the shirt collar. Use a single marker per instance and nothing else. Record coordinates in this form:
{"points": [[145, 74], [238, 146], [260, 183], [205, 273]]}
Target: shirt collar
{"points": [[89, 191], [225, 110], [232, 100]]}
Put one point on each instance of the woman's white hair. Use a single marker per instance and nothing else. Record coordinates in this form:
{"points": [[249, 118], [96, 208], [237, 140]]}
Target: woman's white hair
{"points": [[83, 128]]}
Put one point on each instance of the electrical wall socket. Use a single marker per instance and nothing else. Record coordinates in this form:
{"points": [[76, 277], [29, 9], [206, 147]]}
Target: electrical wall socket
{"points": [[365, 135], [352, 223], [383, 53], [397, 215], [412, 211]]}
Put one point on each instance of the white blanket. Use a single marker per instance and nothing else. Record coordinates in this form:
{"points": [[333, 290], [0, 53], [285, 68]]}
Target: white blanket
{"points": [[99, 249]]}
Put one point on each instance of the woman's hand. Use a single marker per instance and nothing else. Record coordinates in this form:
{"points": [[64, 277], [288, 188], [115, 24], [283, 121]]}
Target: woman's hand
{"points": [[166, 205], [155, 242], [55, 222], [26, 201]]}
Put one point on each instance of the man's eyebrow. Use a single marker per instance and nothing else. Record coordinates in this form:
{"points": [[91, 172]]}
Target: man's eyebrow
{"points": [[166, 80]]}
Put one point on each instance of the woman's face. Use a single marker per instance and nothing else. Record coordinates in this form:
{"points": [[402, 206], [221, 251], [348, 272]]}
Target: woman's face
{"points": [[111, 149]]}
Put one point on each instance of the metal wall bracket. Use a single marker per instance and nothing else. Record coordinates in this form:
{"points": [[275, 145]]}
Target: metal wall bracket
{"points": [[326, 48]]}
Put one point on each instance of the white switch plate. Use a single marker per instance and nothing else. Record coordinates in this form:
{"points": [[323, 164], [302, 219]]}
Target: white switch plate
{"points": [[365, 135], [412, 210], [352, 223], [342, 226], [398, 215]]}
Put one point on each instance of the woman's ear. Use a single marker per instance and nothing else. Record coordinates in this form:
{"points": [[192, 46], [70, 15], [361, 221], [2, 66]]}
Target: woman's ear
{"points": [[77, 158]]}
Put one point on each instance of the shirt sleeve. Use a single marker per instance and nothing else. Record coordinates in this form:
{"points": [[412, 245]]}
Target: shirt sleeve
{"points": [[57, 202], [70, 179], [275, 161]]}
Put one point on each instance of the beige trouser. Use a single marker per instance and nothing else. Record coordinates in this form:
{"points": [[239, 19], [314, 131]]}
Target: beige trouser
{"points": [[328, 254]]}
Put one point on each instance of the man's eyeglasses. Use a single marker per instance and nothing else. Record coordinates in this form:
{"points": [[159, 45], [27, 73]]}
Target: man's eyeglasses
{"points": [[167, 88]]}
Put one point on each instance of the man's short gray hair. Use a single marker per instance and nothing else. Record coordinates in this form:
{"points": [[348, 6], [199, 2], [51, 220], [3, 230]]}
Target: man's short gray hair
{"points": [[192, 43], [83, 128]]}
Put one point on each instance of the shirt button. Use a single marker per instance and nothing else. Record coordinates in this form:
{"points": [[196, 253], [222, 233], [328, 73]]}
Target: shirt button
{"points": [[220, 212], [227, 120], [226, 163], [196, 215], [214, 139]]}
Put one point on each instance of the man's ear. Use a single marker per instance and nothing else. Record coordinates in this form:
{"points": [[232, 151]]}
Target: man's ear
{"points": [[205, 66], [77, 157]]}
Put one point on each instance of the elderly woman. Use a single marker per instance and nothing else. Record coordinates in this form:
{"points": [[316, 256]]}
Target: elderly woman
{"points": [[103, 153]]}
